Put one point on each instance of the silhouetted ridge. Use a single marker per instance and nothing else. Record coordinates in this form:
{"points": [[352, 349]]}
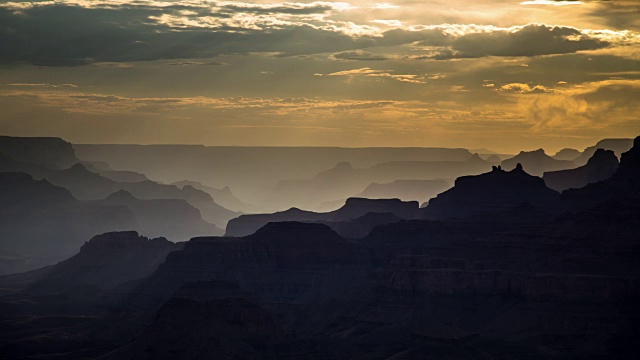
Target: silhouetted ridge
{"points": [[342, 182], [602, 156], [120, 239], [50, 152], [618, 146], [20, 190], [45, 221], [536, 162], [343, 165], [79, 168], [406, 190], [175, 219], [104, 262], [353, 208], [360, 227], [356, 207], [567, 154], [85, 184], [602, 165], [630, 163], [293, 230], [494, 159], [475, 158], [494, 192], [625, 183], [121, 195]]}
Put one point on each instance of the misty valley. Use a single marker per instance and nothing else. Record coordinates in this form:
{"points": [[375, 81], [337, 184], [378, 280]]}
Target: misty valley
{"points": [[201, 252]]}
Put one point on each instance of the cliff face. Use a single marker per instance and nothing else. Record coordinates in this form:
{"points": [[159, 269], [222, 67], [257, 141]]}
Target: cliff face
{"points": [[601, 166], [353, 208], [490, 194]]}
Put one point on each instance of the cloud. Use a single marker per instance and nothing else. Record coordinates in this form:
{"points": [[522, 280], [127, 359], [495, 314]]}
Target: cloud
{"points": [[49, 36], [96, 103], [187, 63], [592, 105], [552, 2], [529, 40], [522, 88], [357, 55], [44, 85], [117, 31], [368, 72], [393, 23]]}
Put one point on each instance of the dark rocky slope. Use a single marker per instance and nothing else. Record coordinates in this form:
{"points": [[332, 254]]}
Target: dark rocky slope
{"points": [[601, 166]]}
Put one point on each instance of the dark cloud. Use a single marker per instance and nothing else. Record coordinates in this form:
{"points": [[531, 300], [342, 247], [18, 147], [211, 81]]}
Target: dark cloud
{"points": [[530, 40], [59, 35], [357, 55], [291, 8], [70, 36], [426, 37]]}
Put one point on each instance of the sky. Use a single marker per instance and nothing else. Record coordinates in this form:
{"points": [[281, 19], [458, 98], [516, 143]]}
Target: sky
{"points": [[498, 74]]}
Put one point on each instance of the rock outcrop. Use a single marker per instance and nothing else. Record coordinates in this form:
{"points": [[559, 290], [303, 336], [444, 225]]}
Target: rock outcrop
{"points": [[353, 208], [360, 227], [602, 165], [490, 194], [53, 153], [174, 219], [344, 180], [88, 185], [282, 262], [618, 146], [624, 184], [406, 190], [567, 154], [105, 262], [536, 162], [224, 196]]}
